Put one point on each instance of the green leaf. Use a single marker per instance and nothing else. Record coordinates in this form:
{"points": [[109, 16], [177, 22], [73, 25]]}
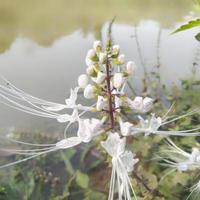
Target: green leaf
{"points": [[189, 25], [66, 158], [90, 195], [82, 179], [197, 36]]}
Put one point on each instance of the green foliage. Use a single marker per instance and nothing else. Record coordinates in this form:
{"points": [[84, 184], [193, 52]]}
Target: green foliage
{"points": [[82, 179], [189, 25]]}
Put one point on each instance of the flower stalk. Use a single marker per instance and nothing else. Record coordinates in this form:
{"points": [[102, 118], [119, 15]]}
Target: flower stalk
{"points": [[110, 96]]}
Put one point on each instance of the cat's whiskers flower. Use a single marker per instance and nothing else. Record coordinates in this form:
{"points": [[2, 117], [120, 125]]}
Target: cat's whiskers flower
{"points": [[104, 82]]}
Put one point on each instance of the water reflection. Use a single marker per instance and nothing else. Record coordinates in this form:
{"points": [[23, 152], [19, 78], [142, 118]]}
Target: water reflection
{"points": [[44, 22], [49, 72]]}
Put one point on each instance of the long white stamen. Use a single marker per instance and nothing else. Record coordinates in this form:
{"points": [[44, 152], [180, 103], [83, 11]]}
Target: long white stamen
{"points": [[28, 108], [27, 143], [25, 152], [29, 112], [34, 99], [182, 116], [28, 158], [126, 174], [168, 111]]}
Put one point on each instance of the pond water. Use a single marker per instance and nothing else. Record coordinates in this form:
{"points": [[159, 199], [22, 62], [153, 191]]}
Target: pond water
{"points": [[43, 50]]}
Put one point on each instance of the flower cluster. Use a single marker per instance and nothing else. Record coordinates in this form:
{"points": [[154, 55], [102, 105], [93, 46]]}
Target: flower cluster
{"points": [[105, 82]]}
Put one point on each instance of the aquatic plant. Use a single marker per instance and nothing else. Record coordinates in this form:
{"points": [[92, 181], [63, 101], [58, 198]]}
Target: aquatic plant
{"points": [[104, 85]]}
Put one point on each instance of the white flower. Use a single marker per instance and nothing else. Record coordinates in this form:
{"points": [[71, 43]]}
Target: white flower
{"points": [[128, 160], [97, 45], [71, 101], [101, 103], [151, 125], [89, 91], [144, 123], [136, 104], [118, 80], [195, 156], [121, 59], [68, 118], [114, 145], [179, 159], [125, 127], [182, 166], [83, 80], [130, 67], [147, 103], [141, 104], [155, 123], [91, 54], [102, 58], [88, 128], [115, 49], [100, 78]]}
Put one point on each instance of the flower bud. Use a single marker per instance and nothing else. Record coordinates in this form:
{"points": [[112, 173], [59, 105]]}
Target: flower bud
{"points": [[101, 103], [100, 77], [118, 80], [97, 46], [88, 61], [83, 80], [89, 91], [130, 67], [90, 70], [102, 58], [121, 59], [115, 49], [91, 53]]}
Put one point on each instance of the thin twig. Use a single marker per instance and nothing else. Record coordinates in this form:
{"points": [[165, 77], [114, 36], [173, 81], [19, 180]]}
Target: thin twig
{"points": [[154, 192]]}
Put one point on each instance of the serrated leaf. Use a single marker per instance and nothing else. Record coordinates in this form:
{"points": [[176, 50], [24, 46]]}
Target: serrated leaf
{"points": [[189, 25], [82, 179]]}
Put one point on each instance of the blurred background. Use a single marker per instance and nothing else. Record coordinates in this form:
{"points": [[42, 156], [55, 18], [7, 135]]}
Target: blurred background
{"points": [[43, 45]]}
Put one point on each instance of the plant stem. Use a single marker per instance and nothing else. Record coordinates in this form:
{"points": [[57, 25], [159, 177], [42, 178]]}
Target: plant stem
{"points": [[109, 93]]}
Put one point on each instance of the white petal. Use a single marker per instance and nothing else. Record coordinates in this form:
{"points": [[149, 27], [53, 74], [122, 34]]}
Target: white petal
{"points": [[114, 145], [91, 53], [100, 77], [64, 118], [69, 142], [118, 80], [57, 107], [130, 67], [147, 103], [121, 59], [126, 128], [101, 103], [128, 160], [102, 58], [97, 45], [89, 92]]}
